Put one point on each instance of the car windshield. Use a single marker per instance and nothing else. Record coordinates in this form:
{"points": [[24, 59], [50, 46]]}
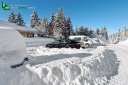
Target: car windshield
{"points": [[56, 42], [77, 39], [67, 41]]}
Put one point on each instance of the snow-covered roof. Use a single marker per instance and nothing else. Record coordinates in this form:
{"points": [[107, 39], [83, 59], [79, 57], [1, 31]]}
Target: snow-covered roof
{"points": [[16, 27], [5, 27]]}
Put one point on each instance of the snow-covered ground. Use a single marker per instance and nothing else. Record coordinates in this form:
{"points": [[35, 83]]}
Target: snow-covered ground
{"points": [[37, 41], [103, 64], [121, 52]]}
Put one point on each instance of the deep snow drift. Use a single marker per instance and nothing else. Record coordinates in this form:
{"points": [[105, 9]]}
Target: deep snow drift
{"points": [[12, 47]]}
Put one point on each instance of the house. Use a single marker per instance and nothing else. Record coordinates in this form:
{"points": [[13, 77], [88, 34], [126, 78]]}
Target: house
{"points": [[24, 31], [27, 32]]}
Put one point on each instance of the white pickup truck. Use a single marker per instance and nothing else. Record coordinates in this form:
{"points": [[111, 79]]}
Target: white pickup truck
{"points": [[84, 40]]}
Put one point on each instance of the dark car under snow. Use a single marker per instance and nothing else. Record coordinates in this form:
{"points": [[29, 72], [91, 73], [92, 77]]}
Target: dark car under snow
{"points": [[64, 43]]}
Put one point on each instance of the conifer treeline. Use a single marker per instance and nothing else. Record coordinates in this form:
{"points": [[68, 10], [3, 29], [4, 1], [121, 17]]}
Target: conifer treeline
{"points": [[58, 27], [121, 35]]}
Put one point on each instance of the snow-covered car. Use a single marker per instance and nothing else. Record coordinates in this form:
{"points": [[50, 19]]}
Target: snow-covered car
{"points": [[64, 43], [84, 40], [86, 43]]}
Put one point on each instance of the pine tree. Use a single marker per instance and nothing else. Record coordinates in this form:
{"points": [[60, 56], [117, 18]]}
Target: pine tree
{"points": [[12, 18], [44, 26], [104, 32], [86, 31], [57, 31], [119, 35], [59, 27], [19, 20], [81, 30], [34, 22], [97, 31], [69, 29], [90, 32], [51, 25], [75, 32]]}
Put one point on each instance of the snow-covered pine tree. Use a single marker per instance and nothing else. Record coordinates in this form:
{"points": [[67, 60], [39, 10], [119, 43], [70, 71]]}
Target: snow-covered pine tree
{"points": [[57, 31], [81, 30], [59, 27], [19, 20], [104, 32], [44, 27], [12, 18], [125, 33], [119, 35], [34, 21], [86, 31], [90, 32], [69, 29], [51, 25], [97, 31], [75, 32]]}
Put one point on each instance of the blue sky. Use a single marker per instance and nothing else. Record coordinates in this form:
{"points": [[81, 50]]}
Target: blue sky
{"points": [[113, 14]]}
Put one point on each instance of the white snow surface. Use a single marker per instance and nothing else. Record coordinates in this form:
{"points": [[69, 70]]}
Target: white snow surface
{"points": [[37, 41], [12, 47]]}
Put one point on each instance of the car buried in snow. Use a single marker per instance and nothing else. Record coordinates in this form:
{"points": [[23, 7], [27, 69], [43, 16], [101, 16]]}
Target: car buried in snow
{"points": [[85, 41], [64, 43]]}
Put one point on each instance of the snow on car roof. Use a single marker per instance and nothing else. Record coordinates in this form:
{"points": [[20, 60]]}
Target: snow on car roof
{"points": [[16, 27]]}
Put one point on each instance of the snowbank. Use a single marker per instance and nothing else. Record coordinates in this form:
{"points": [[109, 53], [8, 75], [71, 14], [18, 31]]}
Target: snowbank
{"points": [[123, 42], [93, 70], [12, 46], [101, 39]]}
